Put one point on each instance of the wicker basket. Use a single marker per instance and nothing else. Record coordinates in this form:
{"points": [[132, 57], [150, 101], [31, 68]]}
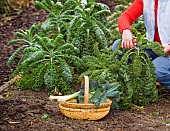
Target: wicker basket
{"points": [[85, 111]]}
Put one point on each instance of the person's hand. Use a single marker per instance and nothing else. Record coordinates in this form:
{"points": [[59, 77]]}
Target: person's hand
{"points": [[166, 48], [127, 39]]}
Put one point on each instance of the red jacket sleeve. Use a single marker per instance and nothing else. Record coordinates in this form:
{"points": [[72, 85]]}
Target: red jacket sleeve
{"points": [[130, 15]]}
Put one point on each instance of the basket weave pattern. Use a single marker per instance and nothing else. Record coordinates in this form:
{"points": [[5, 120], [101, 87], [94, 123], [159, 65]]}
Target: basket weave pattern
{"points": [[72, 109]]}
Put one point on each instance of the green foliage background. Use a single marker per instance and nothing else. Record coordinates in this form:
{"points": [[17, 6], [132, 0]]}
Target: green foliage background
{"points": [[76, 40]]}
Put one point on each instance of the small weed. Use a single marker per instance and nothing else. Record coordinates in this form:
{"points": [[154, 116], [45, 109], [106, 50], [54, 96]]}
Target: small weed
{"points": [[46, 116], [167, 121], [155, 113]]}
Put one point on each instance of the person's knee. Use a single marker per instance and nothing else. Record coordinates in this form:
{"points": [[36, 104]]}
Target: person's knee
{"points": [[162, 65], [162, 69]]}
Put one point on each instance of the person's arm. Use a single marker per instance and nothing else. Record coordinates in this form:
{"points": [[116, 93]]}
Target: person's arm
{"points": [[126, 19]]}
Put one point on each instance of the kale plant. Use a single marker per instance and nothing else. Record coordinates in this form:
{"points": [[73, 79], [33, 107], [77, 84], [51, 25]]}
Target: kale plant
{"points": [[46, 62], [88, 26], [134, 72], [82, 24]]}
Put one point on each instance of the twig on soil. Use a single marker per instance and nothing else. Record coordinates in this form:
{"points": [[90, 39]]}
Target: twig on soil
{"points": [[9, 83], [135, 107]]}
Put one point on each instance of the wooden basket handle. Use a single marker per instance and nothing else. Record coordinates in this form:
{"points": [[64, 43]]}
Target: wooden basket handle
{"points": [[85, 81]]}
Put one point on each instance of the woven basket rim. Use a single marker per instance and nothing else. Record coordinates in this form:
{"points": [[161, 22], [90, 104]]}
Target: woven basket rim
{"points": [[73, 104], [107, 103], [84, 110]]}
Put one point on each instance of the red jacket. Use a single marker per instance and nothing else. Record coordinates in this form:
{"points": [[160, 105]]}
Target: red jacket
{"points": [[132, 13]]}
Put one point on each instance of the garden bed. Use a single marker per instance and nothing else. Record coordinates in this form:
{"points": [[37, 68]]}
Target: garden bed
{"points": [[29, 111]]}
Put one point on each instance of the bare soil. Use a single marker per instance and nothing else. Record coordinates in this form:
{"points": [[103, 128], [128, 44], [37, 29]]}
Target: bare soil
{"points": [[25, 110]]}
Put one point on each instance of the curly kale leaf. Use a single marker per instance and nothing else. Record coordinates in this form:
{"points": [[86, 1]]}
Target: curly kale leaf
{"points": [[98, 93]]}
